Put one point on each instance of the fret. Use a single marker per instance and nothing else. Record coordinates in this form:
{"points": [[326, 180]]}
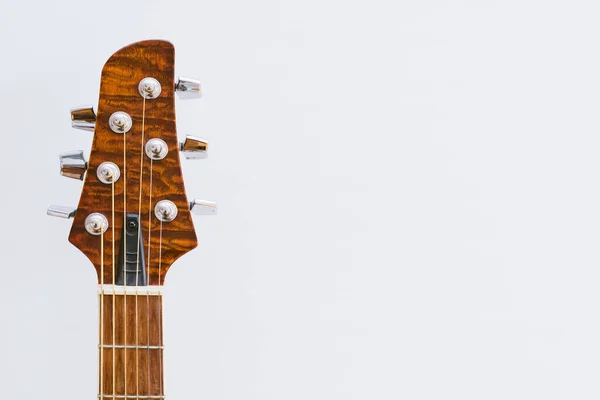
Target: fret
{"points": [[129, 396], [120, 346]]}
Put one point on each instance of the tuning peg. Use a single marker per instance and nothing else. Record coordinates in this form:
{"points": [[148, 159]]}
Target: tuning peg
{"points": [[73, 164], [65, 212], [194, 148], [188, 88], [203, 207], [83, 117]]}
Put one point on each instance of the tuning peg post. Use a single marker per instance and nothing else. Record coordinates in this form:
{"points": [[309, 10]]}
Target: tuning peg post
{"points": [[188, 88], [203, 207], [65, 212], [194, 148], [83, 117]]}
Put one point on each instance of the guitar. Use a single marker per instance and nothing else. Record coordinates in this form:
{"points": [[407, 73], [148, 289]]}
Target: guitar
{"points": [[134, 218]]}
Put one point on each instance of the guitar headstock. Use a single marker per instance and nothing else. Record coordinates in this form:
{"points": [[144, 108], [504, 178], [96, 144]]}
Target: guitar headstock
{"points": [[134, 213]]}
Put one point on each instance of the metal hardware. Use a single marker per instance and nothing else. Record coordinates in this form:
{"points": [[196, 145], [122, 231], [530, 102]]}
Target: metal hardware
{"points": [[120, 122], [73, 164], [108, 172], [129, 396], [194, 148], [83, 117], [65, 212], [96, 224], [188, 88], [203, 207], [149, 88], [121, 346], [156, 149], [165, 210]]}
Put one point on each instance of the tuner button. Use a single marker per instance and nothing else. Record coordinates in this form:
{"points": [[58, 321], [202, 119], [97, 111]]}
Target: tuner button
{"points": [[73, 164], [194, 148], [65, 212], [203, 207], [83, 117], [188, 88]]}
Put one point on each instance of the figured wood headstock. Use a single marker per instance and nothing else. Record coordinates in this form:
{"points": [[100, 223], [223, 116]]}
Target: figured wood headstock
{"points": [[143, 182]]}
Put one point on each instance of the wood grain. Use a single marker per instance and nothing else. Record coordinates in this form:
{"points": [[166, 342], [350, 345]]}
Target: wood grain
{"points": [[118, 92]]}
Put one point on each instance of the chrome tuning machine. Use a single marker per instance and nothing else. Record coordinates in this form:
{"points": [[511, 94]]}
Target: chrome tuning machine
{"points": [[65, 212], [203, 207], [83, 117], [188, 88], [194, 148], [73, 164]]}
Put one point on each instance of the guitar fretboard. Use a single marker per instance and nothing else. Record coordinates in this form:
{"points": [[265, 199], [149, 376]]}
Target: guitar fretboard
{"points": [[131, 346]]}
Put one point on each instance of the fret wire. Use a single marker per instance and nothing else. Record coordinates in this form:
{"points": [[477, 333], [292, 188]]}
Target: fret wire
{"points": [[132, 396], [120, 346]]}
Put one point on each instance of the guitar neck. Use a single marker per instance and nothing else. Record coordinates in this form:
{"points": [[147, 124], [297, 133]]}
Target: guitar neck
{"points": [[131, 346]]}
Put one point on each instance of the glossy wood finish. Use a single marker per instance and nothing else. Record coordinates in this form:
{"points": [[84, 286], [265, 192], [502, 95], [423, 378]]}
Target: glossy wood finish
{"points": [[137, 322], [119, 92]]}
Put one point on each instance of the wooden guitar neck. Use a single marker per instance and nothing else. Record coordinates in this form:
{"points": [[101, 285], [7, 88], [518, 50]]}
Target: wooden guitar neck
{"points": [[130, 345]]}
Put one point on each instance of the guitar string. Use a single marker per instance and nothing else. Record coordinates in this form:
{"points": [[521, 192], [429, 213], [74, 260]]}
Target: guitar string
{"points": [[160, 343], [137, 264], [101, 389], [125, 262], [148, 271], [113, 307]]}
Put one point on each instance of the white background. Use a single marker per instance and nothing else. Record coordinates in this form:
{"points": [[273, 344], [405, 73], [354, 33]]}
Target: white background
{"points": [[408, 198]]}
